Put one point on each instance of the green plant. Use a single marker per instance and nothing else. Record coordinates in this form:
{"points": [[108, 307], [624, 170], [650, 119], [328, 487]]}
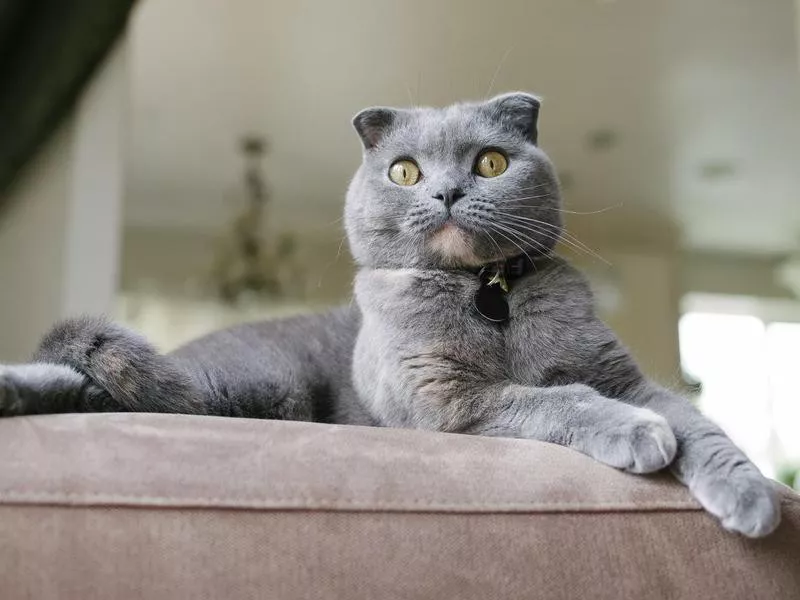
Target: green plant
{"points": [[789, 475]]}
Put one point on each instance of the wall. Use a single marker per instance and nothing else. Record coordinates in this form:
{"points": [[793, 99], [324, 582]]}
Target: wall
{"points": [[733, 275], [178, 262], [32, 239], [59, 225], [168, 291]]}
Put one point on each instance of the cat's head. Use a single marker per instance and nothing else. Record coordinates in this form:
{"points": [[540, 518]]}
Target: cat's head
{"points": [[454, 187]]}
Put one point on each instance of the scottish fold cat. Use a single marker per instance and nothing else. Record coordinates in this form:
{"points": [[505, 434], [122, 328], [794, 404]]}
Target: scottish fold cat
{"points": [[463, 321]]}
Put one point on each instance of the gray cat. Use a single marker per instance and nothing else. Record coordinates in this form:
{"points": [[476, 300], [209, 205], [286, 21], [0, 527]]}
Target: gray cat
{"points": [[463, 322]]}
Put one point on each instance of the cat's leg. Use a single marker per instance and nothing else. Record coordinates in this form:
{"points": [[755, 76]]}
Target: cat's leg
{"points": [[42, 388], [91, 365], [623, 436], [717, 473]]}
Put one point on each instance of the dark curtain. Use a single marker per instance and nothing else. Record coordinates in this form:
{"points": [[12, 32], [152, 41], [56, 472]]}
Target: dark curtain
{"points": [[48, 51]]}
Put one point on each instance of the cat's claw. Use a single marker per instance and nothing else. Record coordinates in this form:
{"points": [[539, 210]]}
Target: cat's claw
{"points": [[642, 444], [744, 501]]}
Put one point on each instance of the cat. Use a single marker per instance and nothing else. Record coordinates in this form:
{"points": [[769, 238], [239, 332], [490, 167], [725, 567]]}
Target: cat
{"points": [[464, 321]]}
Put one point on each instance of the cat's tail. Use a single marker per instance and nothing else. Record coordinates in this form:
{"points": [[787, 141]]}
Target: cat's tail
{"points": [[89, 364]]}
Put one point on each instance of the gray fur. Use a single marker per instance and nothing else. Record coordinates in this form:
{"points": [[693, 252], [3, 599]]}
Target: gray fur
{"points": [[412, 352]]}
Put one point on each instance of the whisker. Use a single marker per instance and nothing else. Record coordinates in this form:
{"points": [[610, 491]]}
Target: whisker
{"points": [[587, 212], [382, 217], [500, 254], [497, 71], [527, 239], [339, 251], [564, 210], [545, 223], [565, 233], [513, 242], [564, 239], [561, 236], [410, 97], [508, 200], [556, 233], [538, 186], [545, 251]]}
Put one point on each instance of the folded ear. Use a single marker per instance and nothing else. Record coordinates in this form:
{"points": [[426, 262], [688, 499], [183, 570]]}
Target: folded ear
{"points": [[518, 110], [372, 124]]}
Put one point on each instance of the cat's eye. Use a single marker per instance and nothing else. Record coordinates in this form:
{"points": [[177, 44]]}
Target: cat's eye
{"points": [[404, 172], [491, 164]]}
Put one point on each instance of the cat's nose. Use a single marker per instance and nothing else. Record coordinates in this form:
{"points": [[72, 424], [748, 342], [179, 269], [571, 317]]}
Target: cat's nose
{"points": [[449, 196]]}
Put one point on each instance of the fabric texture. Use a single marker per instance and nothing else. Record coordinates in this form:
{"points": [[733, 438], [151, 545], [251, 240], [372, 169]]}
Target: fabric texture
{"points": [[173, 506]]}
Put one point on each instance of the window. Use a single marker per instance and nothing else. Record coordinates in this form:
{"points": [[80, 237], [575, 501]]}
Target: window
{"points": [[749, 364]]}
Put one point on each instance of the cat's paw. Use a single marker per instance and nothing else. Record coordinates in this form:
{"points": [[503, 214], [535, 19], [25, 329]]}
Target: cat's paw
{"points": [[743, 500], [640, 442]]}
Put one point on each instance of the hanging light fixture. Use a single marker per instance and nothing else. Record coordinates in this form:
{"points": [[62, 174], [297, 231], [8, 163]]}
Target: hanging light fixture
{"points": [[246, 264]]}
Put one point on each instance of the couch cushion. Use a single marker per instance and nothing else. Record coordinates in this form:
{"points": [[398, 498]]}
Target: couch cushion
{"points": [[144, 506]]}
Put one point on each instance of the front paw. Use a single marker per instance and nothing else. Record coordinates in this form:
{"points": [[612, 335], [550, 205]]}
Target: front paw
{"points": [[638, 440], [743, 500]]}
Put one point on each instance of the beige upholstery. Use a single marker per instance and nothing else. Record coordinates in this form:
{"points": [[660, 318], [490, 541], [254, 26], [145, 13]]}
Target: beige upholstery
{"points": [[170, 506]]}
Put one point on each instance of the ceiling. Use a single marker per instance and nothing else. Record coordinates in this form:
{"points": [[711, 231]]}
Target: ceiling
{"points": [[683, 115]]}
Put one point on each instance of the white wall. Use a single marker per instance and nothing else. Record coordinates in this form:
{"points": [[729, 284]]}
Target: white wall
{"points": [[32, 240], [59, 224]]}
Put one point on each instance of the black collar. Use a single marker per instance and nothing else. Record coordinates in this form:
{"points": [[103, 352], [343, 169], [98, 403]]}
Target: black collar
{"points": [[509, 269], [489, 300]]}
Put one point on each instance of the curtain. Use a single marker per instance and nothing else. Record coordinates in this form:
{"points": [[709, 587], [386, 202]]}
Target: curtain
{"points": [[48, 52]]}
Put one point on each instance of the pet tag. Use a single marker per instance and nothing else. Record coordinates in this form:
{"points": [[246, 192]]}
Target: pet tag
{"points": [[490, 299]]}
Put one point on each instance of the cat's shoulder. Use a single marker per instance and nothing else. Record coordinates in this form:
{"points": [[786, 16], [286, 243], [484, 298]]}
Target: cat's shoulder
{"points": [[556, 273], [555, 284]]}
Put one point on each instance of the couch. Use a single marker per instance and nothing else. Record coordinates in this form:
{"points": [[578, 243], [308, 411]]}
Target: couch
{"points": [[124, 506]]}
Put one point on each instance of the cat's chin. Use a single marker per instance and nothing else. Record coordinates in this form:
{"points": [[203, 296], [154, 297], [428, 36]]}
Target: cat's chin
{"points": [[455, 246]]}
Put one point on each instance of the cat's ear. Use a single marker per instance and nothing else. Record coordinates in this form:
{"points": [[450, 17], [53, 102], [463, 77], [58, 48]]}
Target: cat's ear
{"points": [[373, 123], [518, 110]]}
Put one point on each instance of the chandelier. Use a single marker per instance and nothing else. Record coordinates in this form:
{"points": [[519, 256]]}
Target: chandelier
{"points": [[248, 262]]}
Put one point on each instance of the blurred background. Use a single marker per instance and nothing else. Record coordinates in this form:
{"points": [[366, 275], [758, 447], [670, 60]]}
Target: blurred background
{"points": [[181, 165]]}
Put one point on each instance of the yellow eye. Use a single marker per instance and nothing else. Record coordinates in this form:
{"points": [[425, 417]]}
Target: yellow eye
{"points": [[404, 172], [491, 164]]}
